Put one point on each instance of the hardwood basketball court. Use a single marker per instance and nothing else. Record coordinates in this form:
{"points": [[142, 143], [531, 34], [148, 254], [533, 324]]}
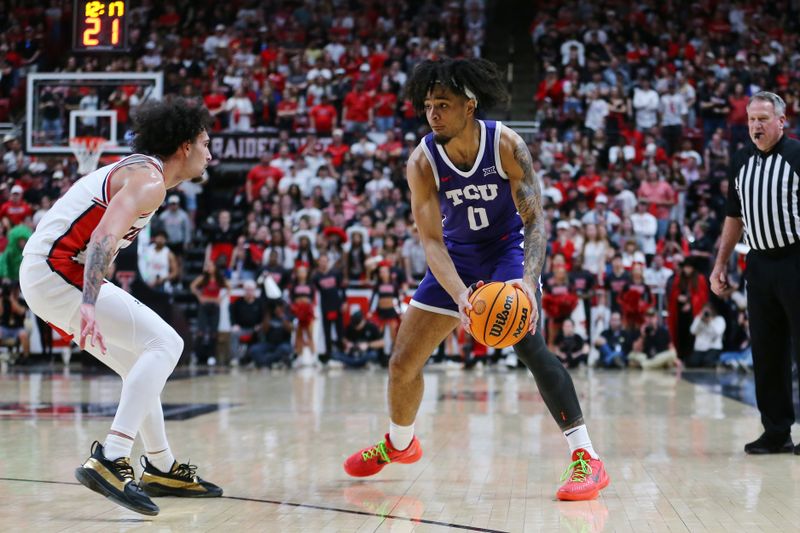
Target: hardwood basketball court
{"points": [[275, 441]]}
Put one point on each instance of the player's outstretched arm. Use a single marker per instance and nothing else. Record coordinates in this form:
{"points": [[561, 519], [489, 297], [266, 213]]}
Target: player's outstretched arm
{"points": [[517, 163], [142, 191]]}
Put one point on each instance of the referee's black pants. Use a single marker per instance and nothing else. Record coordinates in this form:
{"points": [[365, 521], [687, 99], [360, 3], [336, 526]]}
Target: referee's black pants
{"points": [[773, 306]]}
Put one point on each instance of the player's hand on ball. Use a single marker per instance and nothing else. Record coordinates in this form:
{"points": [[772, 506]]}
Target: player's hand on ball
{"points": [[531, 294], [464, 306]]}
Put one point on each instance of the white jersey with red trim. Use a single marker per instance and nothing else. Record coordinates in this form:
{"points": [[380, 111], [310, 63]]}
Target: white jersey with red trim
{"points": [[63, 234]]}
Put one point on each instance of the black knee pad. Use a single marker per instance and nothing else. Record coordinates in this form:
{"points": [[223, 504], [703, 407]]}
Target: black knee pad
{"points": [[554, 382]]}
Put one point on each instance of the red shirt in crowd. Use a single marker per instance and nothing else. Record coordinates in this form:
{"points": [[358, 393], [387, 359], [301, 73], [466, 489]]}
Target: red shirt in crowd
{"points": [[392, 149], [15, 211], [323, 116], [259, 175], [553, 90], [357, 105], [385, 104], [337, 151]]}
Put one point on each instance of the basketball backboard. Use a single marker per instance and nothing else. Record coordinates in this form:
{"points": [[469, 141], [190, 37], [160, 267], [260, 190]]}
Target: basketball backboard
{"points": [[63, 105]]}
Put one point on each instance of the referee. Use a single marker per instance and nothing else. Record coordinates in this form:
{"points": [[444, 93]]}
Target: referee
{"points": [[763, 204]]}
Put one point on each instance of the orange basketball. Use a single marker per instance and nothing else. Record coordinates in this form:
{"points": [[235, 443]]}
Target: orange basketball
{"points": [[501, 314]]}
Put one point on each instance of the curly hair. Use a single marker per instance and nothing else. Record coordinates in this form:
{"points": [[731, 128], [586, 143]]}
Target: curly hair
{"points": [[161, 126], [479, 76]]}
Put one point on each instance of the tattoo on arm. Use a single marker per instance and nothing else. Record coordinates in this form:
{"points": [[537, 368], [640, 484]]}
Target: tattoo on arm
{"points": [[529, 203], [98, 258]]}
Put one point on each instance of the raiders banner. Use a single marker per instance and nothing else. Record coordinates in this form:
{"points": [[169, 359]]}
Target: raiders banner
{"points": [[233, 147]]}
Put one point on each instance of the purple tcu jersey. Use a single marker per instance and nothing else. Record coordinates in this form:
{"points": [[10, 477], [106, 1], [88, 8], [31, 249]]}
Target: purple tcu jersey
{"points": [[477, 205]]}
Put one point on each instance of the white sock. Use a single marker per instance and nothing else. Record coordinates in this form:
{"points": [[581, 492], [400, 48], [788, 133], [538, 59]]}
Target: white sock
{"points": [[578, 437], [400, 436], [162, 460], [116, 447]]}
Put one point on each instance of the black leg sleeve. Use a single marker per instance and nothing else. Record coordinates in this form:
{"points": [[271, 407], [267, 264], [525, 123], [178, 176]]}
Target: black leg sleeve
{"points": [[554, 382]]}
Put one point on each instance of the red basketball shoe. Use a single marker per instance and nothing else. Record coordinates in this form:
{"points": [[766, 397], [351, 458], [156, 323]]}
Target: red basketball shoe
{"points": [[370, 461], [585, 478]]}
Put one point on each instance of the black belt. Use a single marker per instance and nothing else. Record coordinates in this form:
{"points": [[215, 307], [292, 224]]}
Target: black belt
{"points": [[778, 253]]}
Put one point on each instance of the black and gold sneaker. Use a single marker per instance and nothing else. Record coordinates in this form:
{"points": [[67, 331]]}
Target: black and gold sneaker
{"points": [[181, 481], [114, 480]]}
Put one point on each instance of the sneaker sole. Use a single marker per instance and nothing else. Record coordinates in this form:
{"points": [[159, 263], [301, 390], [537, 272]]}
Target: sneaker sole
{"points": [[571, 497], [94, 482], [154, 491]]}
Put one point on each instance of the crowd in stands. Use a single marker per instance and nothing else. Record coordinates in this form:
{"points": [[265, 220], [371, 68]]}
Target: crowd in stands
{"points": [[639, 111], [641, 107]]}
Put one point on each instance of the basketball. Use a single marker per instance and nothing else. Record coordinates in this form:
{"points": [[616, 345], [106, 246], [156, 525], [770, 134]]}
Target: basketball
{"points": [[500, 315]]}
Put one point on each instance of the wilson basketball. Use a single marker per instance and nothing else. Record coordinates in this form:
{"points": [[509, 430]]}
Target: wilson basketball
{"points": [[501, 314]]}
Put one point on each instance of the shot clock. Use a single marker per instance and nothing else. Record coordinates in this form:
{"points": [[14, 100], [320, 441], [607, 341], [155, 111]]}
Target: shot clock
{"points": [[100, 25]]}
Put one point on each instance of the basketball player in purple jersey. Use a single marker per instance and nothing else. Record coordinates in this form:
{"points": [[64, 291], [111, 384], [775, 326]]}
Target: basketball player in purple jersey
{"points": [[477, 205]]}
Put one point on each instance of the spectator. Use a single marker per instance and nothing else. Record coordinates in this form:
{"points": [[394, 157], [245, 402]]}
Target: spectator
{"points": [[247, 315], [322, 116], [363, 342], [217, 41], [259, 175], [384, 107], [673, 242], [595, 250], [338, 149], [583, 283], [385, 300], [12, 317], [688, 293], [570, 347], [273, 341], [616, 282], [414, 256], [15, 210], [739, 354], [645, 105], [356, 253], [240, 109], [330, 286], [301, 297], [708, 329], [249, 254], [177, 225], [550, 89], [222, 239], [653, 348], [157, 264], [645, 226], [656, 277], [601, 215], [673, 111], [563, 245], [615, 343], [737, 116], [208, 288], [559, 299], [357, 110], [11, 257], [661, 197]]}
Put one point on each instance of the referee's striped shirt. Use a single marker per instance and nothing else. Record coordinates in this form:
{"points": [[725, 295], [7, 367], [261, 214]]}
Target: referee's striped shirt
{"points": [[765, 192]]}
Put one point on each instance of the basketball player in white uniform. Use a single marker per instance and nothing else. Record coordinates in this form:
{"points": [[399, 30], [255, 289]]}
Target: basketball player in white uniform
{"points": [[62, 279]]}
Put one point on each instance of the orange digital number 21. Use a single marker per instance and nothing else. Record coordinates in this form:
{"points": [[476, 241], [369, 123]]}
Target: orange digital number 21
{"points": [[89, 33]]}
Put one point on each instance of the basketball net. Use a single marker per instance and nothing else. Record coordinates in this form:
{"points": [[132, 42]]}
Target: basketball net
{"points": [[87, 151]]}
